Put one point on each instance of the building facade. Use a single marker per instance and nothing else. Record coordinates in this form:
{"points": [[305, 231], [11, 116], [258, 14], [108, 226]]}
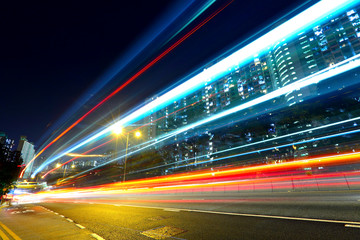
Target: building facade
{"points": [[27, 153], [285, 62]]}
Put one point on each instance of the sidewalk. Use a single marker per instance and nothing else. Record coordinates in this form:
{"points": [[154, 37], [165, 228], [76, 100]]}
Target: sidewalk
{"points": [[30, 222]]}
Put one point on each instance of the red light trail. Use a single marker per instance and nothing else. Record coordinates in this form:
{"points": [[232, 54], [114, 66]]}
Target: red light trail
{"points": [[288, 175], [76, 157]]}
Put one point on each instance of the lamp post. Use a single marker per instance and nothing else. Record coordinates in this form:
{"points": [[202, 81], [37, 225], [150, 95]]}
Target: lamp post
{"points": [[64, 171], [58, 165], [126, 148], [117, 130]]}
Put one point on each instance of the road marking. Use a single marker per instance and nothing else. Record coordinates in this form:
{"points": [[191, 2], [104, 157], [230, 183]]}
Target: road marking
{"points": [[163, 232], [70, 220], [16, 212], [171, 210], [56, 213], [248, 215], [26, 211], [80, 226], [350, 225], [3, 235], [11, 233], [61, 215], [97, 236]]}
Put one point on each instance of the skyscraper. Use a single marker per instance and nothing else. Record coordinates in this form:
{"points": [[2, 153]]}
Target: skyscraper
{"points": [[6, 144], [27, 153]]}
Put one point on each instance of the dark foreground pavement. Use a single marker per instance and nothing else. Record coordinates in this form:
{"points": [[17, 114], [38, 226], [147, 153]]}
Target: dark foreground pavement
{"points": [[35, 222]]}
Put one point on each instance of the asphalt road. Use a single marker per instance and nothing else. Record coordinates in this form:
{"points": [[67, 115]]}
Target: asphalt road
{"points": [[310, 215], [336, 205], [124, 222]]}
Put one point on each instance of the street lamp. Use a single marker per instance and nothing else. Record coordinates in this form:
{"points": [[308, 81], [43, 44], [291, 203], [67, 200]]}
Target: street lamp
{"points": [[118, 130], [58, 165], [137, 135]]}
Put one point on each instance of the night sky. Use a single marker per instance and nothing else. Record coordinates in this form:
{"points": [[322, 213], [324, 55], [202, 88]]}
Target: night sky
{"points": [[53, 52]]}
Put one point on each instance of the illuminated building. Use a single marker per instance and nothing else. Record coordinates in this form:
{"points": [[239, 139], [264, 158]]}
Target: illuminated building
{"points": [[27, 153], [7, 144], [311, 51], [281, 64]]}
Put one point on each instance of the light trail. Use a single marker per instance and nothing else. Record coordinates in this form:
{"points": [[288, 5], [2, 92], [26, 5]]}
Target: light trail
{"points": [[271, 148], [93, 149], [307, 18], [245, 174], [197, 14], [327, 73], [247, 145], [281, 175], [68, 154], [264, 141], [250, 152], [135, 76]]}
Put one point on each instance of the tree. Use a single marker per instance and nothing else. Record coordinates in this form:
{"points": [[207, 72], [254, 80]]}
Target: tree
{"points": [[10, 167]]}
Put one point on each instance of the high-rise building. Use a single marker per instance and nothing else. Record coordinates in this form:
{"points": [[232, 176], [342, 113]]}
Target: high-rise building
{"points": [[286, 61], [6, 145], [27, 153]]}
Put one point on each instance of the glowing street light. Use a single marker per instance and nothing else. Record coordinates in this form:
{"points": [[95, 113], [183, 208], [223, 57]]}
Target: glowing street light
{"points": [[117, 129], [137, 134]]}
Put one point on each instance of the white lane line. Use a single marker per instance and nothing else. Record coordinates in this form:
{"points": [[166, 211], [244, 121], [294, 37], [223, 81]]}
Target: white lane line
{"points": [[171, 210], [248, 215], [56, 213], [80, 226], [350, 225], [97, 236], [70, 220], [61, 215]]}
